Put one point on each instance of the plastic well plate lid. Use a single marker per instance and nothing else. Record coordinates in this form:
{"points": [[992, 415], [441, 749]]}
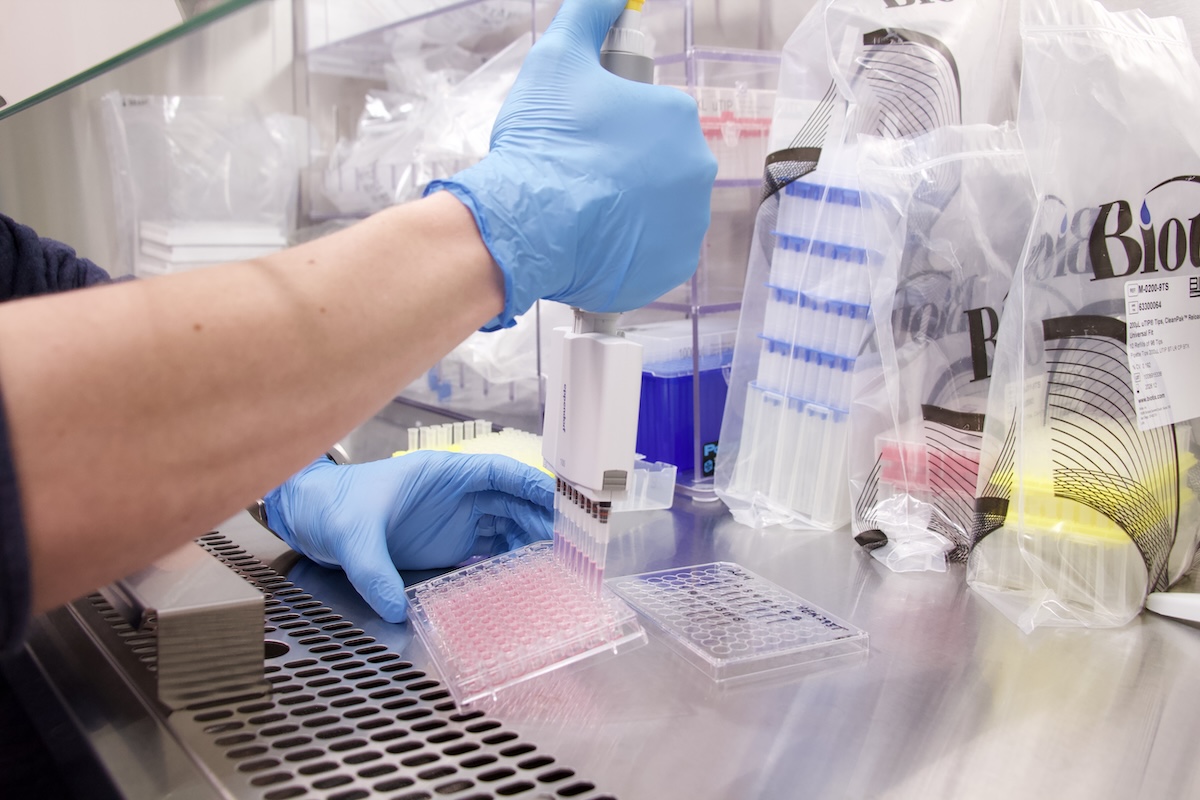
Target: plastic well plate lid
{"points": [[733, 624]]}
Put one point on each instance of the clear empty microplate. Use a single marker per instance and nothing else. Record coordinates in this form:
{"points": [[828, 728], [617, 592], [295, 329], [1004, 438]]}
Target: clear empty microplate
{"points": [[734, 625], [499, 622]]}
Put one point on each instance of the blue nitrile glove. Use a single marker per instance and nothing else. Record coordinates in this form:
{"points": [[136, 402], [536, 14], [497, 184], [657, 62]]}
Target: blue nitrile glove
{"points": [[596, 189], [419, 511]]}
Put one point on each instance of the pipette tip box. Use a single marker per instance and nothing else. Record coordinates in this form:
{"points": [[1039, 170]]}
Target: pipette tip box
{"points": [[499, 622], [736, 626]]}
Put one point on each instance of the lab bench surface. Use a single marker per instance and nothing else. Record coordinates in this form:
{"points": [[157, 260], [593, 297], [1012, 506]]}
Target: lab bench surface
{"points": [[952, 700]]}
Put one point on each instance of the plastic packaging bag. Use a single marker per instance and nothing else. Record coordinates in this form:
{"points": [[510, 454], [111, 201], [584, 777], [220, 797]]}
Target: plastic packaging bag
{"points": [[200, 179], [852, 67], [458, 128], [362, 173], [1087, 486], [790, 464], [465, 24], [436, 120], [957, 203]]}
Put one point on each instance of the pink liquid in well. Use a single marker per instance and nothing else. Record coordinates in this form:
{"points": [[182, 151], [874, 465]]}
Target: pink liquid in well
{"points": [[514, 615]]}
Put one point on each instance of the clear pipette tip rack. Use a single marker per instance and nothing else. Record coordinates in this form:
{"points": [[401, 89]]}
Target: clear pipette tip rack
{"points": [[519, 615], [736, 626]]}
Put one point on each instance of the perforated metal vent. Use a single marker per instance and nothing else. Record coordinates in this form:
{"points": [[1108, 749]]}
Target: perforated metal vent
{"points": [[346, 718]]}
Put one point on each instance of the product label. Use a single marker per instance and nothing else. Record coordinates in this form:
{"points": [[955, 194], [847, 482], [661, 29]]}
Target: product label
{"points": [[1163, 345]]}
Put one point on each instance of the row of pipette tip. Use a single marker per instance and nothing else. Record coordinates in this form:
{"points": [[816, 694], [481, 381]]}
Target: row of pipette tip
{"points": [[806, 376], [477, 436], [1068, 550], [810, 210], [828, 326], [581, 535], [820, 269], [795, 457], [439, 437]]}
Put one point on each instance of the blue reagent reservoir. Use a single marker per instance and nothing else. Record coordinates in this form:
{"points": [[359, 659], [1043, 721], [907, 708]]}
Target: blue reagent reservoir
{"points": [[666, 414]]}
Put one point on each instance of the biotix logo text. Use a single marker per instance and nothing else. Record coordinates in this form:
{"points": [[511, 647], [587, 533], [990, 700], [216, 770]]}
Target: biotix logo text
{"points": [[1163, 236]]}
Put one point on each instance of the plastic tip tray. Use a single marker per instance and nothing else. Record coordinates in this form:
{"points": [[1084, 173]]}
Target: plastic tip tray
{"points": [[734, 625], [497, 623]]}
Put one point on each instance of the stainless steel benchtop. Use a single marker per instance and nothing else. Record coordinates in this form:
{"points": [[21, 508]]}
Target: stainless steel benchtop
{"points": [[952, 701]]}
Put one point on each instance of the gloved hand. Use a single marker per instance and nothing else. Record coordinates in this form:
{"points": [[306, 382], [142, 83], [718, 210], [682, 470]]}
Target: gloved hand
{"points": [[596, 189], [419, 511]]}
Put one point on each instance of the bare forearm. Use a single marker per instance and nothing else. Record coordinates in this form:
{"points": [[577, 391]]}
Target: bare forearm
{"points": [[142, 414]]}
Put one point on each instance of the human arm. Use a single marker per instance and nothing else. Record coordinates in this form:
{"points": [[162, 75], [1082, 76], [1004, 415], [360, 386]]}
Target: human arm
{"points": [[144, 413]]}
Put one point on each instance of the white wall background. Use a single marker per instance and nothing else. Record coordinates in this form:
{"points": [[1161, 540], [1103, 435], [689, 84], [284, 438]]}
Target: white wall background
{"points": [[44, 42]]}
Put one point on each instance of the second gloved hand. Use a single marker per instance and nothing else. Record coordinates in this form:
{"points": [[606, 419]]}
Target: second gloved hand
{"points": [[596, 189], [419, 511]]}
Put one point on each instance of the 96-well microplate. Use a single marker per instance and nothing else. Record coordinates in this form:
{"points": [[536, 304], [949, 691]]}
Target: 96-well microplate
{"points": [[732, 624], [494, 624]]}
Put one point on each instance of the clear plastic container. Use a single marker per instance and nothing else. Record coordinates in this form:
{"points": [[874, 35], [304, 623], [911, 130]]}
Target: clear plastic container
{"points": [[736, 121], [787, 432], [500, 622], [651, 487], [666, 412], [734, 625]]}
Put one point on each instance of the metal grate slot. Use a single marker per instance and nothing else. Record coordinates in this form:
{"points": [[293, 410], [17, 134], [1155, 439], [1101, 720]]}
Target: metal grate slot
{"points": [[344, 717]]}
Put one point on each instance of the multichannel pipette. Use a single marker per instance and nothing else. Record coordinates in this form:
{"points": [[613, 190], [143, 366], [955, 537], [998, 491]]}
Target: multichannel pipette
{"points": [[594, 382], [589, 435], [556, 607]]}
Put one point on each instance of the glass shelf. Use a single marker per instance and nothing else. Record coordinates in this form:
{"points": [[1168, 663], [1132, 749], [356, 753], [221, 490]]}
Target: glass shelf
{"points": [[198, 20]]}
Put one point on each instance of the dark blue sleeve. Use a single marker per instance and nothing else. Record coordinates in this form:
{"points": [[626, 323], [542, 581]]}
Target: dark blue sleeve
{"points": [[14, 558], [29, 265]]}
